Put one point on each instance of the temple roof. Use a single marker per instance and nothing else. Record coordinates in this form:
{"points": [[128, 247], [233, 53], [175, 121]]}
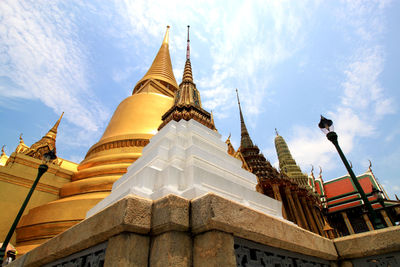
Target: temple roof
{"points": [[161, 68]]}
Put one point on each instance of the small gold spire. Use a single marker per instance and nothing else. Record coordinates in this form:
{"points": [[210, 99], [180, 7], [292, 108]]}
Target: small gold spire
{"points": [[21, 148], [46, 144], [3, 157], [276, 131], [212, 121], [53, 131]]}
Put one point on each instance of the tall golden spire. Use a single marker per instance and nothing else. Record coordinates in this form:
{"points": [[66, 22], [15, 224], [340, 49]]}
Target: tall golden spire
{"points": [[161, 69], [133, 123], [245, 140], [46, 144], [187, 104], [287, 164]]}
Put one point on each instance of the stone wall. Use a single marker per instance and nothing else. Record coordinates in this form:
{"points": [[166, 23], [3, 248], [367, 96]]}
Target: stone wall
{"points": [[207, 231]]}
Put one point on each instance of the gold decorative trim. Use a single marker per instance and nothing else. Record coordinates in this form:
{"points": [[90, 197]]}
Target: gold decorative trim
{"points": [[28, 184], [118, 144]]}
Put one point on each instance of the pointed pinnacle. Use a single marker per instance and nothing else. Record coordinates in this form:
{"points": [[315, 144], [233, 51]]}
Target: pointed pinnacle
{"points": [[166, 36]]}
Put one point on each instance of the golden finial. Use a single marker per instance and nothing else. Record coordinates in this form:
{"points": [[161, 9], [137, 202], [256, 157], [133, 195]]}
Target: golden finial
{"points": [[229, 137], [320, 171], [166, 37], [277, 134], [2, 150], [370, 165], [20, 138], [312, 168]]}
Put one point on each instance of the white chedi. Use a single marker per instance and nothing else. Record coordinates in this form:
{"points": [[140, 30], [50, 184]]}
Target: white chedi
{"points": [[187, 159]]}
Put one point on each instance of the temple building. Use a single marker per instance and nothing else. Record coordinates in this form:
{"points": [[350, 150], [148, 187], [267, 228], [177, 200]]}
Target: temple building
{"points": [[290, 186], [345, 209], [69, 192]]}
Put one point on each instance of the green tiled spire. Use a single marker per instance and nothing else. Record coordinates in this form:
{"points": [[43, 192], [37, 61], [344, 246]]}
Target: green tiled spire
{"points": [[287, 164]]}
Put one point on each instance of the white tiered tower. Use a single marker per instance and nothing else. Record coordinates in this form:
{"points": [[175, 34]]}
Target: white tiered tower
{"points": [[188, 159]]}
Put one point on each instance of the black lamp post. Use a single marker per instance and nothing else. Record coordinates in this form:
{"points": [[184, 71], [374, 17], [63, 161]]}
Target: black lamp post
{"points": [[327, 128], [47, 157], [379, 196]]}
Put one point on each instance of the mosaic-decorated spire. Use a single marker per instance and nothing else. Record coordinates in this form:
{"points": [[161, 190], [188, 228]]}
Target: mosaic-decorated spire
{"points": [[287, 164], [187, 104]]}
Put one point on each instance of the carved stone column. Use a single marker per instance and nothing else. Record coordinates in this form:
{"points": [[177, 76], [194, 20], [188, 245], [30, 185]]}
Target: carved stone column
{"points": [[310, 218], [317, 218], [368, 222], [386, 217], [347, 222], [292, 206], [300, 211], [277, 196]]}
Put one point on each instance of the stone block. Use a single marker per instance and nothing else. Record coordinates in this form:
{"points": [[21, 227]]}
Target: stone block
{"points": [[369, 243], [170, 213], [346, 264], [214, 249], [132, 214], [212, 212], [127, 249], [171, 249]]}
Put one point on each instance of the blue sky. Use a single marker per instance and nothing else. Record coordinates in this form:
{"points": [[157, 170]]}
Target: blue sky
{"points": [[290, 60]]}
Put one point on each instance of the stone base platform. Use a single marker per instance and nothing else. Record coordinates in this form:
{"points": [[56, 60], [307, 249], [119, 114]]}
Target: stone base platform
{"points": [[205, 231]]}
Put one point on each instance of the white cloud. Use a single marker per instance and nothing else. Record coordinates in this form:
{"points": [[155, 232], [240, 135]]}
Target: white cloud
{"points": [[245, 39], [40, 53], [363, 101]]}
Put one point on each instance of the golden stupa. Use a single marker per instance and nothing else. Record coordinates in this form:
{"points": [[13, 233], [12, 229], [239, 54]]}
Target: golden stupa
{"points": [[133, 123]]}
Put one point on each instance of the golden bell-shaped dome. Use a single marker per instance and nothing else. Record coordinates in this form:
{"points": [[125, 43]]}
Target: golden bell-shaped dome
{"points": [[133, 123]]}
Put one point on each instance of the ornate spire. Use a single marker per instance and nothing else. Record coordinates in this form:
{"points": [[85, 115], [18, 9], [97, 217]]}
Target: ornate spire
{"points": [[161, 68], [21, 148], [187, 103], [53, 131], [3, 157], [46, 144], [287, 164], [245, 140], [187, 73]]}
